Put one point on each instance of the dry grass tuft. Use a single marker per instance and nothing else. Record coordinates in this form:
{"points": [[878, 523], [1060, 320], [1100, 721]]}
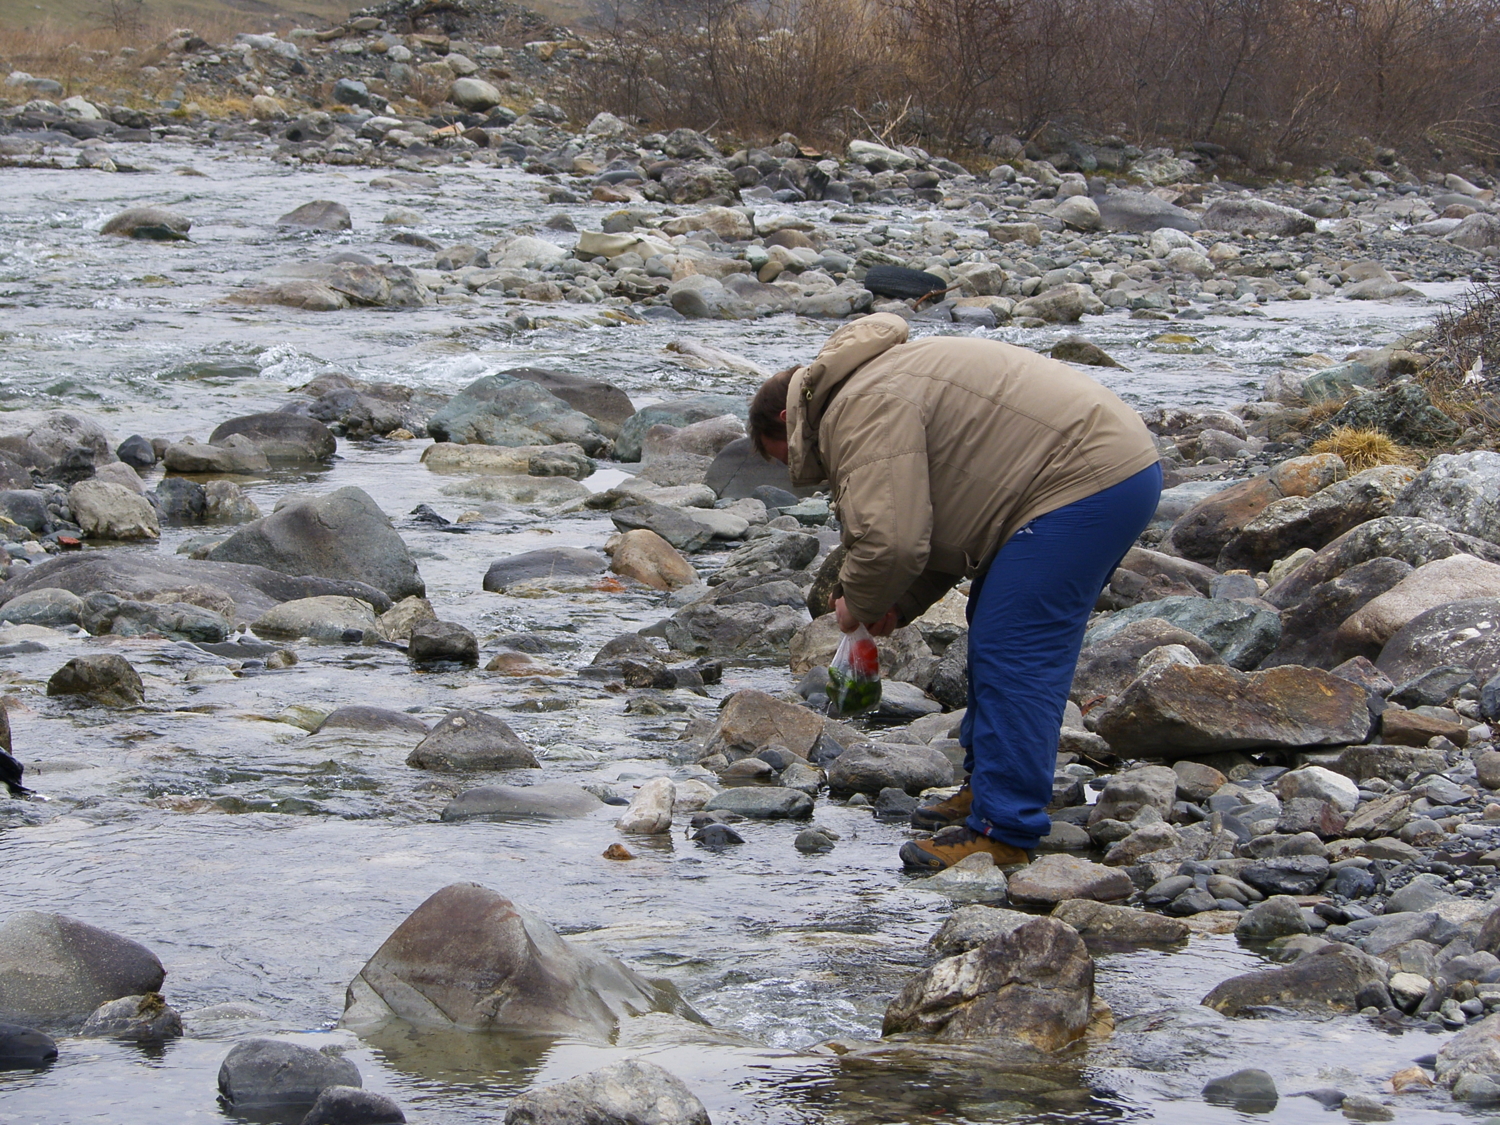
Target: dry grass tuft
{"points": [[1364, 449], [1320, 412]]}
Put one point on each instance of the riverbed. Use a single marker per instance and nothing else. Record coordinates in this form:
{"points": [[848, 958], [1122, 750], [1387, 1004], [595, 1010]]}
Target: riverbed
{"points": [[264, 866]]}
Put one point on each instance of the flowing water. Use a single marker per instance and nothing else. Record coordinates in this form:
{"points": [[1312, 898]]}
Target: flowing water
{"points": [[264, 865]]}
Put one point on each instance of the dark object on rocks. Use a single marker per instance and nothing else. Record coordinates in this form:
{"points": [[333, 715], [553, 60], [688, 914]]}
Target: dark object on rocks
{"points": [[341, 535], [717, 836], [138, 1019], [271, 1073], [549, 562], [442, 642], [902, 283], [22, 1048], [1324, 982], [634, 1092], [472, 740], [154, 224], [1249, 1091], [1034, 983], [104, 678], [471, 959], [285, 439], [55, 969], [349, 1105], [320, 214], [136, 452]]}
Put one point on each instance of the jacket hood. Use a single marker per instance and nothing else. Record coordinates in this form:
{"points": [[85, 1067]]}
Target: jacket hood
{"points": [[846, 351]]}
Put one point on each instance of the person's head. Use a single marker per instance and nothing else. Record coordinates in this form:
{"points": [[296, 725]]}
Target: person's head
{"points": [[767, 424]]}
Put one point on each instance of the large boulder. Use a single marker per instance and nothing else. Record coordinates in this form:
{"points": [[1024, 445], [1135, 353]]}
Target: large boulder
{"points": [[1311, 629], [1242, 634], [470, 959], [504, 410], [1033, 984], [1462, 633], [1458, 491], [741, 629], [1324, 982], [329, 619], [1178, 711], [678, 413], [545, 564], [1107, 667], [1138, 212], [634, 1092], [1245, 214], [647, 557], [471, 740], [737, 471], [341, 535], [750, 720], [148, 577], [285, 439], [1202, 532], [112, 511], [56, 970], [1479, 231], [605, 403], [1294, 522], [1413, 541], [1433, 584]]}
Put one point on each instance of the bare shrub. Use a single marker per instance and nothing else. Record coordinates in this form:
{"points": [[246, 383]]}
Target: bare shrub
{"points": [[1463, 375]]}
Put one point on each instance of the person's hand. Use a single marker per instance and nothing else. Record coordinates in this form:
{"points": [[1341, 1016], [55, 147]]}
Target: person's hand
{"points": [[848, 622]]}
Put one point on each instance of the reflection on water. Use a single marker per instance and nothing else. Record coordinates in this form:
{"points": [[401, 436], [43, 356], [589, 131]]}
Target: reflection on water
{"points": [[264, 865]]}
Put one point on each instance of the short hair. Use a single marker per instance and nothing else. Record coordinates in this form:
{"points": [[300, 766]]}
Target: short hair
{"points": [[765, 411]]}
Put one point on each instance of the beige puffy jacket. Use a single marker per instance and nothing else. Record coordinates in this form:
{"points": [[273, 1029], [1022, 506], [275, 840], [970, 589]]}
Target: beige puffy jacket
{"points": [[940, 450]]}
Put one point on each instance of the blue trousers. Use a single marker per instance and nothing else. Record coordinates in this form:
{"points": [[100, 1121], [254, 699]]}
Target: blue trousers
{"points": [[1027, 615]]}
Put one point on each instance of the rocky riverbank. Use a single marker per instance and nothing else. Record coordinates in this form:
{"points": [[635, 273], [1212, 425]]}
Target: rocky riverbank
{"points": [[561, 617]]}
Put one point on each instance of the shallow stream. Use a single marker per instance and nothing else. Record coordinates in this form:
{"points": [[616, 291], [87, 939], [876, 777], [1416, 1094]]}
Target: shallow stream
{"points": [[264, 866]]}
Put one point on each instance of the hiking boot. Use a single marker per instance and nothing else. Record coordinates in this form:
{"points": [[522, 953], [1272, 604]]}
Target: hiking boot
{"points": [[957, 842], [950, 810]]}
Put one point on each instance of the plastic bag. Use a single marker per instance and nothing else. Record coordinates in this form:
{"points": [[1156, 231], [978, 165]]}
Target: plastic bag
{"points": [[854, 675]]}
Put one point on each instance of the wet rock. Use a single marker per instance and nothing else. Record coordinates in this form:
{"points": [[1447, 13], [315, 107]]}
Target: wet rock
{"points": [[327, 619], [974, 878], [969, 927], [320, 214], [139, 1019], [545, 564], [152, 224], [1242, 634], [647, 557], [552, 800], [397, 622], [678, 414], [650, 811], [744, 629], [1461, 633], [1102, 922], [509, 411], [762, 802], [1324, 982], [102, 678], [815, 840], [23, 1048], [1277, 916], [349, 1105], [1314, 633], [1128, 792], [1469, 1063], [605, 403], [1061, 304], [471, 959], [1055, 878], [636, 1092], [56, 970], [341, 535], [717, 836], [226, 502], [285, 439], [112, 511], [442, 642], [236, 454], [1246, 214], [869, 767], [45, 606], [1181, 710], [272, 1073], [373, 720], [472, 740], [180, 501], [1108, 666], [1248, 1091], [750, 720], [1034, 984]]}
